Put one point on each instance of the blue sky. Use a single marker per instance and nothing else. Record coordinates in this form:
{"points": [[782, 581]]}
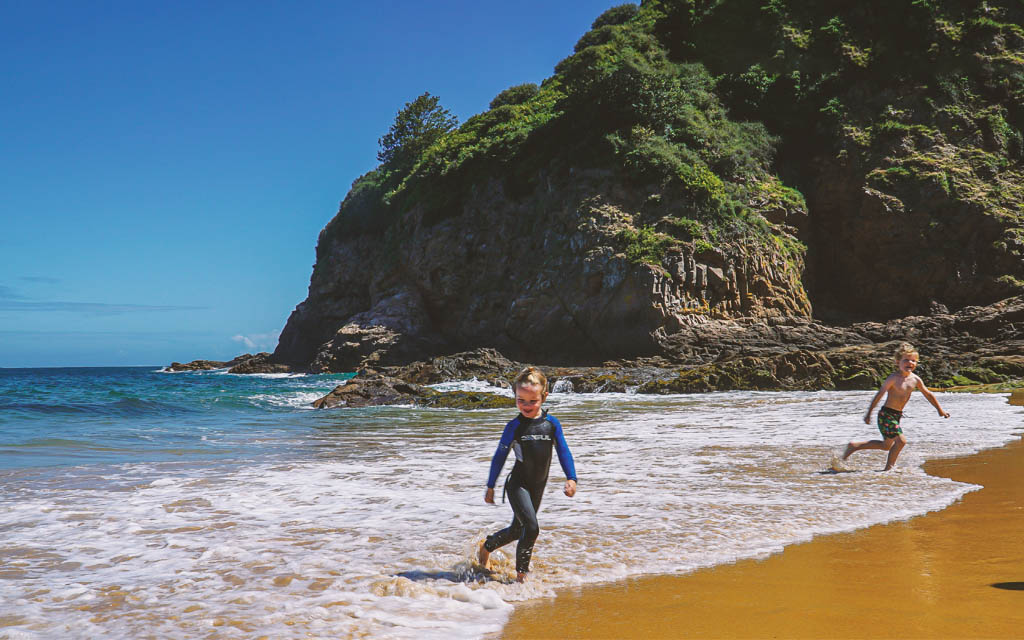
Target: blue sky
{"points": [[165, 167]]}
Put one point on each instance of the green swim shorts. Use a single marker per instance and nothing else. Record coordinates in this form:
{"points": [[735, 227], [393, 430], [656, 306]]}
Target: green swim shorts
{"points": [[889, 422]]}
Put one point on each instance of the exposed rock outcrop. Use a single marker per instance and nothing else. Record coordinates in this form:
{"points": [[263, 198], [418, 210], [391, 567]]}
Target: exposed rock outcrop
{"points": [[260, 363], [197, 365], [245, 363], [481, 364], [376, 390], [780, 354]]}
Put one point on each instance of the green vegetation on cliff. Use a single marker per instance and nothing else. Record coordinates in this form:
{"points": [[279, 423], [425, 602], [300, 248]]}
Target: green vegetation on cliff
{"points": [[729, 112], [618, 102]]}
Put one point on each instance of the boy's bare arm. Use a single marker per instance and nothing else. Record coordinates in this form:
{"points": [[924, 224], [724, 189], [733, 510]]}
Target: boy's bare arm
{"points": [[885, 387], [931, 398]]}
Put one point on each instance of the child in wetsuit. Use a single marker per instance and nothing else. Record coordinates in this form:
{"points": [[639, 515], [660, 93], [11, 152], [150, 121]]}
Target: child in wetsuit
{"points": [[899, 386], [532, 435]]}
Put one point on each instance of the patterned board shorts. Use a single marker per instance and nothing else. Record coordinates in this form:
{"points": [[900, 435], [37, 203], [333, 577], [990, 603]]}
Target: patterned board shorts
{"points": [[889, 422]]}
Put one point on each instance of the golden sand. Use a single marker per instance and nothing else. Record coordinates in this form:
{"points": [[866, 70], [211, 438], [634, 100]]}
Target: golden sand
{"points": [[955, 573]]}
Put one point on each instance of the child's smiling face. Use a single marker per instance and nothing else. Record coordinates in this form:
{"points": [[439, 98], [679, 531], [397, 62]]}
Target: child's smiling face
{"points": [[529, 398], [908, 363]]}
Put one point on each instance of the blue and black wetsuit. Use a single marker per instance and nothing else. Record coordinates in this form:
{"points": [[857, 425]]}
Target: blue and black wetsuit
{"points": [[532, 440]]}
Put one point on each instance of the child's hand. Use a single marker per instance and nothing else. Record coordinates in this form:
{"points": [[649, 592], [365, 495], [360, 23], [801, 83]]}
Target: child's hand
{"points": [[867, 418], [944, 414], [489, 496], [570, 488]]}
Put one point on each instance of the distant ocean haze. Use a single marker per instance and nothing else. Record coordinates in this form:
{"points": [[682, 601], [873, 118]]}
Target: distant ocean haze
{"points": [[138, 502]]}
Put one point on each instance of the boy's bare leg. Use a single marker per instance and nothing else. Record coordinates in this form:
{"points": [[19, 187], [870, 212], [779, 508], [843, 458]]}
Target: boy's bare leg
{"points": [[520, 577], [854, 447], [483, 556], [894, 451]]}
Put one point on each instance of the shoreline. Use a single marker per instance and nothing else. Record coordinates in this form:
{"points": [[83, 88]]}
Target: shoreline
{"points": [[953, 573]]}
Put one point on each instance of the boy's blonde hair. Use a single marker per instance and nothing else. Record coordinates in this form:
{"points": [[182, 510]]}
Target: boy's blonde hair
{"points": [[906, 348], [530, 376]]}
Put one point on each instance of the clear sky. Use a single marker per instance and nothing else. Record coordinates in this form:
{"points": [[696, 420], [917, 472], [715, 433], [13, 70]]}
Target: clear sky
{"points": [[165, 167]]}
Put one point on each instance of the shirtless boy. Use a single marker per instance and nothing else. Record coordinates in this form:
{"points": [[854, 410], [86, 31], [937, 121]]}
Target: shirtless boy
{"points": [[899, 386]]}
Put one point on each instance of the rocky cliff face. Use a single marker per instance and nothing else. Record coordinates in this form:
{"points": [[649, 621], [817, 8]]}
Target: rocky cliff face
{"points": [[633, 205], [914, 226], [541, 278]]}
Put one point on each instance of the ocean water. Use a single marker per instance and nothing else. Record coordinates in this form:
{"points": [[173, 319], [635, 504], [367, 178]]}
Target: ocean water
{"points": [[142, 504]]}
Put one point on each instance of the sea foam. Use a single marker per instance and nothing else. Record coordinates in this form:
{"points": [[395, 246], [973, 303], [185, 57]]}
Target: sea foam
{"points": [[371, 526]]}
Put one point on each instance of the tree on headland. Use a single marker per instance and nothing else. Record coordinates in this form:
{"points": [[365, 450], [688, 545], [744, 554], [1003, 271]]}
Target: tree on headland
{"points": [[518, 94], [616, 15], [417, 126]]}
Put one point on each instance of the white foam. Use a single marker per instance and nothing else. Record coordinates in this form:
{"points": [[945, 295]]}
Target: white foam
{"points": [[472, 385], [376, 535], [294, 400], [269, 376], [562, 386]]}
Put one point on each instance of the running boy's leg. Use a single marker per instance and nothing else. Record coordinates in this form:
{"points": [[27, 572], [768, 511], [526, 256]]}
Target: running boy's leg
{"points": [[854, 447], [894, 451], [889, 427]]}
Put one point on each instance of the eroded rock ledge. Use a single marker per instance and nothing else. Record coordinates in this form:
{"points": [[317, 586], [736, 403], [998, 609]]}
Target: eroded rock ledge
{"points": [[978, 345]]}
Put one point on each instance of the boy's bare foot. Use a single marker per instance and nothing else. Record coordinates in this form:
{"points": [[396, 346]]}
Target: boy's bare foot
{"points": [[520, 577], [483, 556], [849, 451]]}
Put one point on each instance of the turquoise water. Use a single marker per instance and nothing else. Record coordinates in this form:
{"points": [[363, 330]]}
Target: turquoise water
{"points": [[141, 504], [78, 416]]}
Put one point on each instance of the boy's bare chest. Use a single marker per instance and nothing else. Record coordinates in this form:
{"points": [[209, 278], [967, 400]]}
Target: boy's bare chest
{"points": [[905, 386]]}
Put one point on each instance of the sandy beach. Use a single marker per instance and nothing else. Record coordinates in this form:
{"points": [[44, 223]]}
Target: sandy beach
{"points": [[955, 573]]}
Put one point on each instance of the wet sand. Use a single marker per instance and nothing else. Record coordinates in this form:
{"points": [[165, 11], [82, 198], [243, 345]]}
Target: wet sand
{"points": [[955, 573]]}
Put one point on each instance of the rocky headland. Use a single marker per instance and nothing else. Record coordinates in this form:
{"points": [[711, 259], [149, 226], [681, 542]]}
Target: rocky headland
{"points": [[704, 196]]}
